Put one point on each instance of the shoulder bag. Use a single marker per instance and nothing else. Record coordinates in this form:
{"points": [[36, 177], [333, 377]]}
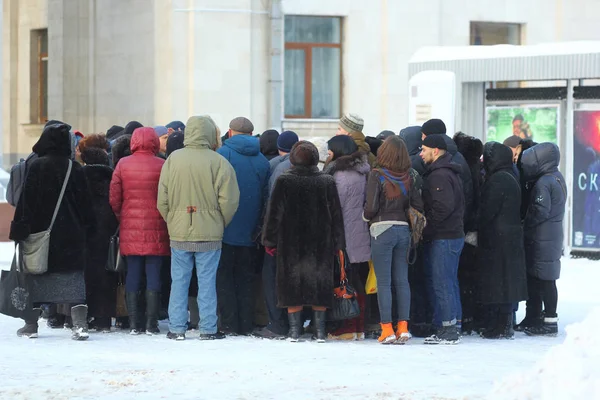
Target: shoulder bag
{"points": [[35, 249]]}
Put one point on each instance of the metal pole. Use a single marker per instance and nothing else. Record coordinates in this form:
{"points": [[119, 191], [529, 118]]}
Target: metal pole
{"points": [[276, 73], [568, 220]]}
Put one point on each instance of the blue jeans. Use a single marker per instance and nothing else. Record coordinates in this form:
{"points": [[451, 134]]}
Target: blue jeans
{"points": [[136, 266], [389, 252], [182, 264], [441, 259]]}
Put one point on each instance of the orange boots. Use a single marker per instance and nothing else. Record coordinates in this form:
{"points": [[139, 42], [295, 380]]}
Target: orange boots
{"points": [[402, 334], [387, 334]]}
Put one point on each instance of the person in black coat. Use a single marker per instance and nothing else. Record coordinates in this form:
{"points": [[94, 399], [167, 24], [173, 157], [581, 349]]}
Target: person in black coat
{"points": [[501, 255], [268, 144], [544, 235], [525, 186], [304, 223], [101, 285], [413, 138], [64, 280]]}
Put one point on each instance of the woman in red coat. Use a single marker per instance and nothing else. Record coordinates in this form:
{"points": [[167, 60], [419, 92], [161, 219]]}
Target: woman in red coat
{"points": [[144, 238]]}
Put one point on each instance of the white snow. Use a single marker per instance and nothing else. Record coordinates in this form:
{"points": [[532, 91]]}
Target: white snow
{"points": [[118, 366]]}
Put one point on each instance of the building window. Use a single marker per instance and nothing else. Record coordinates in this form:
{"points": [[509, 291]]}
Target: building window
{"points": [[312, 80], [492, 33], [39, 76]]}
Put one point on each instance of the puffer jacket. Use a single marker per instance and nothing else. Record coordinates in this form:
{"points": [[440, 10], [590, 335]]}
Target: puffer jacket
{"points": [[544, 219], [350, 174], [133, 194]]}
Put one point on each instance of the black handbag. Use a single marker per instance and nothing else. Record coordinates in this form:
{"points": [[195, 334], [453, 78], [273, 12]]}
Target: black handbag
{"points": [[15, 295], [115, 262], [345, 304]]}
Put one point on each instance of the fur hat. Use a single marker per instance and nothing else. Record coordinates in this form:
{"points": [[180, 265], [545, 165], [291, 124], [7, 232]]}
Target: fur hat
{"points": [[304, 154], [94, 156], [433, 126]]}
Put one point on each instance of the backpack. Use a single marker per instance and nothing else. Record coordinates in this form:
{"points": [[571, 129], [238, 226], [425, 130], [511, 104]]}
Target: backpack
{"points": [[18, 173]]}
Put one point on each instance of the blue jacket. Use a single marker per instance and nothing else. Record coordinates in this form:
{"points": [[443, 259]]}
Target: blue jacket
{"points": [[252, 170]]}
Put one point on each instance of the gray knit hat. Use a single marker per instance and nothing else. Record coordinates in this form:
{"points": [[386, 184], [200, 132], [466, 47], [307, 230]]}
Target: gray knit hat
{"points": [[352, 123]]}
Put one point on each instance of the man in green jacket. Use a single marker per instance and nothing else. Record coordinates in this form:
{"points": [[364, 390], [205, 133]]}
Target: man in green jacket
{"points": [[198, 196]]}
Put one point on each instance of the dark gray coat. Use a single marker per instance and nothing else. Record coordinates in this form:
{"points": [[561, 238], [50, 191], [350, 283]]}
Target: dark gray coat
{"points": [[546, 211]]}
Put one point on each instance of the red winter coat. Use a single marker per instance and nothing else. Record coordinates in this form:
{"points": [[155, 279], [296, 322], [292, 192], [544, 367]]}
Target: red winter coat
{"points": [[133, 195]]}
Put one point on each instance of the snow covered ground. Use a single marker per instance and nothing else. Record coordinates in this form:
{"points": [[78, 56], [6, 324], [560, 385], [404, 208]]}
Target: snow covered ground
{"points": [[117, 366]]}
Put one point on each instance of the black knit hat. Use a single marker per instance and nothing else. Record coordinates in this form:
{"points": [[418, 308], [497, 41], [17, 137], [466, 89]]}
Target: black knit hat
{"points": [[304, 154], [434, 126], [113, 131], [385, 134], [435, 142]]}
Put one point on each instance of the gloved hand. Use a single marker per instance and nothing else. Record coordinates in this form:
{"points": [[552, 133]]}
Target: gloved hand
{"points": [[272, 251]]}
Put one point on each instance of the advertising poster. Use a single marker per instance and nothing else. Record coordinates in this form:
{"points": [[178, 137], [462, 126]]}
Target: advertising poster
{"points": [[539, 123], [586, 180]]}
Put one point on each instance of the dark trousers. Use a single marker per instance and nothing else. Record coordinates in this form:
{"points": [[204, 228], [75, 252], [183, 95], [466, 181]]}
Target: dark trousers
{"points": [[541, 292], [235, 288], [278, 319], [420, 310], [467, 280], [136, 266]]}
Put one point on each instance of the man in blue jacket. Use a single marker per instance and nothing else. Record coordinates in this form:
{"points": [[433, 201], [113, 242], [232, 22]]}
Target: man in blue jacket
{"points": [[237, 270]]}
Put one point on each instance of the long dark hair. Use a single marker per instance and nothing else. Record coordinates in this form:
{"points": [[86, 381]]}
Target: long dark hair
{"points": [[341, 145]]}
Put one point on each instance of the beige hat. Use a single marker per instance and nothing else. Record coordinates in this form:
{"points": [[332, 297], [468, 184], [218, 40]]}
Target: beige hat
{"points": [[352, 123]]}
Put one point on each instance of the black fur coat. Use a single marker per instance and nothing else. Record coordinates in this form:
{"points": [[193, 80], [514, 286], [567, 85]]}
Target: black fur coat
{"points": [[101, 285], [305, 223]]}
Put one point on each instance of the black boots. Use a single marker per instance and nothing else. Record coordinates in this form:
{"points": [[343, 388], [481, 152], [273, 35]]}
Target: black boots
{"points": [[319, 323], [152, 308], [549, 327], [30, 329], [132, 300], [445, 335], [529, 321], [80, 325], [502, 328], [296, 321]]}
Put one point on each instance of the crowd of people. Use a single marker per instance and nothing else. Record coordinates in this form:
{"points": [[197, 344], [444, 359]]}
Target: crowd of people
{"points": [[236, 234]]}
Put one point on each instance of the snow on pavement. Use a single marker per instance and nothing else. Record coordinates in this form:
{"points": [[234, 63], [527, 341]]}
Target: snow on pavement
{"points": [[118, 366]]}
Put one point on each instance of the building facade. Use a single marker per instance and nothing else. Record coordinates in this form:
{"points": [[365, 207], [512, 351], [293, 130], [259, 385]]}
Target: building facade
{"points": [[291, 64]]}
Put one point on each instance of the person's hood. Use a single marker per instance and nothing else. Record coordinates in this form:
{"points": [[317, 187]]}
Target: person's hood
{"points": [[243, 144], [470, 147], [121, 148], [268, 143], [145, 140], [200, 132], [444, 161], [496, 157], [359, 139], [55, 140], [451, 146], [98, 177], [539, 160], [354, 162], [411, 136]]}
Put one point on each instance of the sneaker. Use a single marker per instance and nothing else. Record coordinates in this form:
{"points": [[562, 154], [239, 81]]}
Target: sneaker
{"points": [[134, 332], [446, 335], [211, 336], [29, 331], [402, 333], [387, 334], [548, 328], [152, 331], [175, 336], [265, 333], [80, 334]]}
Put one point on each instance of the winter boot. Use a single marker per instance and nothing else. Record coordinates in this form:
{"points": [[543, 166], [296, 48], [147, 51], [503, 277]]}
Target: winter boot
{"points": [[175, 336], [295, 320], [445, 335], [421, 330], [387, 334], [502, 329], [132, 300], [152, 307], [319, 319], [68, 322], [56, 321], [102, 324], [212, 336], [468, 326], [30, 329], [548, 328], [529, 321], [80, 324], [402, 334]]}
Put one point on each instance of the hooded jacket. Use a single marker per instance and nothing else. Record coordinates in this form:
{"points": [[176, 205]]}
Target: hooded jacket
{"points": [[75, 220], [544, 219], [501, 255], [198, 191], [268, 144], [252, 171], [133, 193], [350, 174], [443, 200], [360, 140], [471, 149], [412, 138]]}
